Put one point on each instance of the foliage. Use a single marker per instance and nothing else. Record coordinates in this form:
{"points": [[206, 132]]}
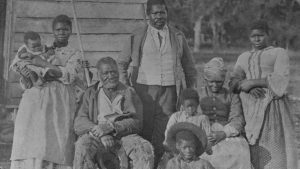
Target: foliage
{"points": [[227, 21]]}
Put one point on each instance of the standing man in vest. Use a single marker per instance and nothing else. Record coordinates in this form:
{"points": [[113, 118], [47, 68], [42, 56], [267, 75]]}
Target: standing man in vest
{"points": [[158, 64]]}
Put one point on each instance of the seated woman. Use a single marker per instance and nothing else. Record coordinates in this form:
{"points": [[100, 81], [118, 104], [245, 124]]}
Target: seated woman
{"points": [[224, 110]]}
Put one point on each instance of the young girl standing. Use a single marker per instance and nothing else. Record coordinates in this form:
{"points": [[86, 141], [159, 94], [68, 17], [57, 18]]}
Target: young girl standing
{"points": [[44, 136], [261, 76]]}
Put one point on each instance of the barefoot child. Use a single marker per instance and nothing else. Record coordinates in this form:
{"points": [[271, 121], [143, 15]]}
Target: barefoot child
{"points": [[188, 142]]}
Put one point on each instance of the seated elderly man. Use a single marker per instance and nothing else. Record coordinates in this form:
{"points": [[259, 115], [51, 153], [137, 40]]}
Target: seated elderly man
{"points": [[110, 118]]}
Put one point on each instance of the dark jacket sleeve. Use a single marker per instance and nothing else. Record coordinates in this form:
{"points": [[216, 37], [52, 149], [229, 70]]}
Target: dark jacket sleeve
{"points": [[188, 65], [133, 106], [235, 78], [124, 60], [238, 74], [236, 117], [82, 123]]}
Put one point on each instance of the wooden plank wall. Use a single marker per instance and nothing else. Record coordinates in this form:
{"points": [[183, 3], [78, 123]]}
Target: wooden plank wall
{"points": [[2, 30], [105, 26]]}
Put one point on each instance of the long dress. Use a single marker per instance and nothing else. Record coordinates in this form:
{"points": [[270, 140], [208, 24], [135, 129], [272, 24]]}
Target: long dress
{"points": [[43, 135], [269, 128], [224, 111]]}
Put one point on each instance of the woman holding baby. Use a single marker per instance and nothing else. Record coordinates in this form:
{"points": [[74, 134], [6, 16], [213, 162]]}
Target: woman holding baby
{"points": [[44, 135]]}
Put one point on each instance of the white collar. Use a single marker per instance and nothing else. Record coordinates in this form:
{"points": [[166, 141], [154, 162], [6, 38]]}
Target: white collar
{"points": [[100, 85], [162, 32]]}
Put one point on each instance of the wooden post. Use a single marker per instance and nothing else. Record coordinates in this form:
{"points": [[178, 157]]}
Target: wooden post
{"points": [[86, 71]]}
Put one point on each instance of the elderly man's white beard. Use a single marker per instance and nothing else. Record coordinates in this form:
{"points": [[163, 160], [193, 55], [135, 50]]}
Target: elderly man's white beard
{"points": [[109, 85]]}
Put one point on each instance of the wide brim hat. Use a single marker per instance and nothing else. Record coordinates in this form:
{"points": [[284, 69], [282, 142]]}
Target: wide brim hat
{"points": [[196, 130]]}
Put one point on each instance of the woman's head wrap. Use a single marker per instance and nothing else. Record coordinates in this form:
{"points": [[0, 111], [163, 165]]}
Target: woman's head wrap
{"points": [[215, 69]]}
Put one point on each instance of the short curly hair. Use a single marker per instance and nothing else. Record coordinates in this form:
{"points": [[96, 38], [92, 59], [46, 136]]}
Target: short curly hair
{"points": [[150, 3], [31, 35], [106, 60], [188, 94], [62, 19], [260, 25]]}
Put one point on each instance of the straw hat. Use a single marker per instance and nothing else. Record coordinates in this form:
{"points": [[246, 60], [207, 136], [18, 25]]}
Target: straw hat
{"points": [[196, 130]]}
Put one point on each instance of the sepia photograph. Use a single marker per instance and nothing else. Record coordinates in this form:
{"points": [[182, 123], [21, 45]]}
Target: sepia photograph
{"points": [[149, 84]]}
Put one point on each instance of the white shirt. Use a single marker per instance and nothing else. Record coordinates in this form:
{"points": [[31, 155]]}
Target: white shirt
{"points": [[164, 33]]}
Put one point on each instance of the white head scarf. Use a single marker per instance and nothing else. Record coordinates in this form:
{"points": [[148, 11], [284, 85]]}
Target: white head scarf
{"points": [[215, 69]]}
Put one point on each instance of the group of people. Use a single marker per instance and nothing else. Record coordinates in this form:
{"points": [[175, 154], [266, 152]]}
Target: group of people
{"points": [[146, 111]]}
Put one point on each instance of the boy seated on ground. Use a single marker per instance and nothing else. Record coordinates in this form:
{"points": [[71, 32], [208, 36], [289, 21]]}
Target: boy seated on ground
{"points": [[189, 100], [188, 142], [29, 57]]}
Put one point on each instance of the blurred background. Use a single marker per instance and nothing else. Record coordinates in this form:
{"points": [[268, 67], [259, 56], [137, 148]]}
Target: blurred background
{"points": [[223, 24]]}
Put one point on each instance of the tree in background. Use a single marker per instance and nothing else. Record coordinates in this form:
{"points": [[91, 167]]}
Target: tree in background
{"points": [[224, 23], [284, 15]]}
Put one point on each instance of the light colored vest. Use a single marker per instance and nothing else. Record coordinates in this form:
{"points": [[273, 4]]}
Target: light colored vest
{"points": [[157, 62]]}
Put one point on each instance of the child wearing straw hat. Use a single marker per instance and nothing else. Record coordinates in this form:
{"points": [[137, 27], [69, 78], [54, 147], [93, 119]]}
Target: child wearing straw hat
{"points": [[188, 142], [189, 100]]}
